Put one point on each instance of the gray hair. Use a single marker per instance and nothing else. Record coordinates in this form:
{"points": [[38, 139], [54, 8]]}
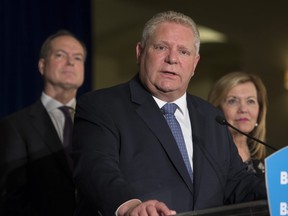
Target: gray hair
{"points": [[170, 16], [46, 46]]}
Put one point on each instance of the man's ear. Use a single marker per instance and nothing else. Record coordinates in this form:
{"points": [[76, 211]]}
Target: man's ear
{"points": [[41, 66], [196, 60], [139, 50]]}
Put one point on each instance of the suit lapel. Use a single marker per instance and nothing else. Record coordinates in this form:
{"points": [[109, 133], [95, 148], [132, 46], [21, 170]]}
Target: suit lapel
{"points": [[196, 118], [43, 125], [153, 117]]}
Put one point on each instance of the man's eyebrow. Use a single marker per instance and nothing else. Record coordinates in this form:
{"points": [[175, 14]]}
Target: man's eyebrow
{"points": [[61, 50]]}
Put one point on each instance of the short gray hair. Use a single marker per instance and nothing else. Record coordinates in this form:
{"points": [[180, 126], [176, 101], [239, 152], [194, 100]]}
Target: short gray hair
{"points": [[46, 46], [170, 16]]}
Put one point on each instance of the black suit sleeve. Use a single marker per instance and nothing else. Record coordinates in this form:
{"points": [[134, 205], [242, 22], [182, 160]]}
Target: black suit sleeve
{"points": [[13, 172]]}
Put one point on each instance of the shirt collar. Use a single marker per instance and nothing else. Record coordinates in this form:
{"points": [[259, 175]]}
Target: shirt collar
{"points": [[51, 104], [181, 103]]}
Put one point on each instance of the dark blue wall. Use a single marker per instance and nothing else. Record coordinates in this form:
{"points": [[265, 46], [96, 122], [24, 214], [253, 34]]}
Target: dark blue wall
{"points": [[25, 24]]}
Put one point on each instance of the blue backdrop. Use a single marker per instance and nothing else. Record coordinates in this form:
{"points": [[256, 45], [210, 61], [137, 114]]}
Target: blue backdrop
{"points": [[25, 24]]}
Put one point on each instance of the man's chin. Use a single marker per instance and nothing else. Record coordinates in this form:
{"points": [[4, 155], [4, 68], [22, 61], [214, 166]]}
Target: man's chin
{"points": [[70, 86]]}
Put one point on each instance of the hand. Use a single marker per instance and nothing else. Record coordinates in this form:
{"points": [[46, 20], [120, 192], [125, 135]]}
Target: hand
{"points": [[148, 208]]}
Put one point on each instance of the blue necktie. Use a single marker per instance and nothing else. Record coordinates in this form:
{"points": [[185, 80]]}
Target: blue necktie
{"points": [[168, 110]]}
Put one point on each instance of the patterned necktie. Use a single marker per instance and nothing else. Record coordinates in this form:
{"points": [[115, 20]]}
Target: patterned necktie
{"points": [[67, 132], [168, 110]]}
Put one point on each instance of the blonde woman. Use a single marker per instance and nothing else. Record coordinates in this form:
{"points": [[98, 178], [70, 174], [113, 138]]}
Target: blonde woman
{"points": [[243, 99]]}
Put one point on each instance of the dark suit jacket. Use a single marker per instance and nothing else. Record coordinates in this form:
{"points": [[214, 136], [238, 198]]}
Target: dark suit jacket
{"points": [[35, 178], [124, 149]]}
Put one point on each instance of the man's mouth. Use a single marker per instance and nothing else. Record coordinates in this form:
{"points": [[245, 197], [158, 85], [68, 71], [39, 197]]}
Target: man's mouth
{"points": [[169, 72]]}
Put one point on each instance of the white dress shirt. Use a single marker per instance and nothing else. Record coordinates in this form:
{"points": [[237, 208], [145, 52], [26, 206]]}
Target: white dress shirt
{"points": [[56, 115]]}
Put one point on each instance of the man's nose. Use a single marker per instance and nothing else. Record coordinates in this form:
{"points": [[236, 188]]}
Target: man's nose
{"points": [[172, 57], [70, 60]]}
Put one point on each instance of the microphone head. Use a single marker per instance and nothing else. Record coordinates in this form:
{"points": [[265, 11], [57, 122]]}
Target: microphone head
{"points": [[221, 120]]}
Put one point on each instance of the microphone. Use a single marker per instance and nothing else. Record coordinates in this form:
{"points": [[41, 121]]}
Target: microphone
{"points": [[223, 121]]}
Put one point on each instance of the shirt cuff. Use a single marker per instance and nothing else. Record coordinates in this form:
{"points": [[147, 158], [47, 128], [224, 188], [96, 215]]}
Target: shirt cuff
{"points": [[129, 201]]}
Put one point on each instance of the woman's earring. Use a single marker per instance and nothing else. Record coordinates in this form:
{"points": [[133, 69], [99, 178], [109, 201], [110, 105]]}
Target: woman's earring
{"points": [[256, 125]]}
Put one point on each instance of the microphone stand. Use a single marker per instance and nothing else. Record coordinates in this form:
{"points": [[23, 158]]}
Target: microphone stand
{"points": [[223, 121]]}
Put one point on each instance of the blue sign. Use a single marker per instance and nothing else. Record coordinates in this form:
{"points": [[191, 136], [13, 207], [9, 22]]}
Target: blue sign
{"points": [[276, 166]]}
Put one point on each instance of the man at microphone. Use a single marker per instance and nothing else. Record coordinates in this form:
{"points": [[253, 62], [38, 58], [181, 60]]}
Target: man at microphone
{"points": [[243, 99], [147, 147]]}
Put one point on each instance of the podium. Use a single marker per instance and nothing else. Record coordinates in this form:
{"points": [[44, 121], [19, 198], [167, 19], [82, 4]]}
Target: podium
{"points": [[254, 208]]}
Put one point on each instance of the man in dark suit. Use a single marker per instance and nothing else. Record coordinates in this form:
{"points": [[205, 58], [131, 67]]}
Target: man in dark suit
{"points": [[35, 173], [127, 159]]}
